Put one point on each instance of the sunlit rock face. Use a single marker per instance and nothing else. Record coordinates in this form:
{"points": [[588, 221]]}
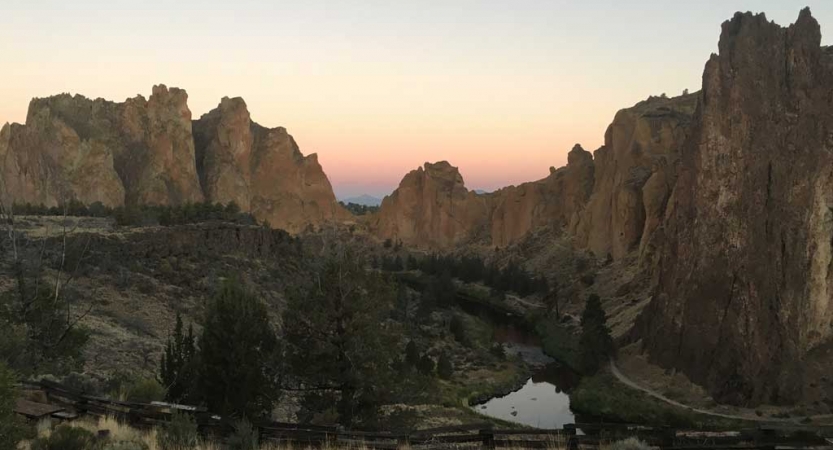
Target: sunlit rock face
{"points": [[744, 271], [553, 201], [635, 172], [262, 170], [432, 208], [139, 151]]}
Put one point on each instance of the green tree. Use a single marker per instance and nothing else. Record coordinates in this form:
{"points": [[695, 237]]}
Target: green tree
{"points": [[595, 343], [426, 365], [239, 356], [339, 341], [444, 367], [178, 366], [11, 427], [411, 354]]}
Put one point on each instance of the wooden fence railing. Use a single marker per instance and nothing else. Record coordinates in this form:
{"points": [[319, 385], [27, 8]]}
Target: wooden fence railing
{"points": [[571, 436]]}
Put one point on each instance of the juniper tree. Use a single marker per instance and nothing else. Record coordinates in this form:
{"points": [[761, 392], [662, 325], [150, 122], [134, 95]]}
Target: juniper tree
{"points": [[177, 369], [339, 341], [239, 356], [595, 343]]}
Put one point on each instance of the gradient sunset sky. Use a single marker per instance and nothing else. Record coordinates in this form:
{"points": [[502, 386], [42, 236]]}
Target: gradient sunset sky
{"points": [[501, 89]]}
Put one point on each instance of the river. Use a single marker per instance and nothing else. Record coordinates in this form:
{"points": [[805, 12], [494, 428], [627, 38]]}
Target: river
{"points": [[542, 402]]}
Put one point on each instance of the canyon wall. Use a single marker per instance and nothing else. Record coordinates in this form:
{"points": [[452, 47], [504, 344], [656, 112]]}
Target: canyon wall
{"points": [[262, 170], [744, 272], [609, 201], [143, 152], [724, 197]]}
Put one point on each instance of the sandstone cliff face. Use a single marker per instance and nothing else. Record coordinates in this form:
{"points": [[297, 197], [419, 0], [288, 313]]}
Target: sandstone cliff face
{"points": [[634, 176], [262, 170], [432, 207], [611, 203], [94, 150], [553, 201], [744, 275], [143, 152]]}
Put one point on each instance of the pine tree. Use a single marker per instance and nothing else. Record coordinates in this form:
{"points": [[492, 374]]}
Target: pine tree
{"points": [[595, 344], [177, 368], [239, 356]]}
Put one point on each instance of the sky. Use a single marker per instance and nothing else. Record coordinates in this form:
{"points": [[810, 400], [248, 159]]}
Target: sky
{"points": [[501, 89]]}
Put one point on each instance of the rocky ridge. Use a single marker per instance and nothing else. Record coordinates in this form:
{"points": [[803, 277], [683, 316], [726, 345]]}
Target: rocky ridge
{"points": [[608, 200], [149, 151]]}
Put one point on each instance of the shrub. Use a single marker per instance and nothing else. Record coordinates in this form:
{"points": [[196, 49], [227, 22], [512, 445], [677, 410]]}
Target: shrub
{"points": [[67, 438], [125, 445], [145, 390], [498, 351], [178, 434], [630, 443], [245, 436], [426, 365]]}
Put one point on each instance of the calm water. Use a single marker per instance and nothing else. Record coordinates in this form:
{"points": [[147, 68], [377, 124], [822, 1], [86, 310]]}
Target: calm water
{"points": [[541, 402]]}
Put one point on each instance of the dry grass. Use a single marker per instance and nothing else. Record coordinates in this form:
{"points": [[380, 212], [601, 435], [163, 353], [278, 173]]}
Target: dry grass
{"points": [[120, 431]]}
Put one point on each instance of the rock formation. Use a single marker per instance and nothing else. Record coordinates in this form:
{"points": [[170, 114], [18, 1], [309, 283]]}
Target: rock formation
{"points": [[261, 169], [553, 201], [139, 151], [431, 207], [634, 175], [611, 204], [143, 152], [744, 275]]}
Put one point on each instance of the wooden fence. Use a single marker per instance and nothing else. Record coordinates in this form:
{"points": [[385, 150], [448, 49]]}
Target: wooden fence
{"points": [[572, 436]]}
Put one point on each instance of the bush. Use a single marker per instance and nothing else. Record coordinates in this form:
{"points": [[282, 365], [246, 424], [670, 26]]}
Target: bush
{"points": [[178, 434], [67, 438], [426, 365], [630, 443], [125, 445], [245, 436], [145, 390]]}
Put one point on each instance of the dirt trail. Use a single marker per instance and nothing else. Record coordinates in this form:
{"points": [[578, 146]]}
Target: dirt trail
{"points": [[632, 384]]}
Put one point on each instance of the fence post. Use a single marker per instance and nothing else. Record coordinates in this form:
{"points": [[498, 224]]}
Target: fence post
{"points": [[487, 437]]}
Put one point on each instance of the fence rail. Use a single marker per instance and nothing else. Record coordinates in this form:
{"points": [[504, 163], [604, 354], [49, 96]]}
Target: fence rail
{"points": [[571, 436]]}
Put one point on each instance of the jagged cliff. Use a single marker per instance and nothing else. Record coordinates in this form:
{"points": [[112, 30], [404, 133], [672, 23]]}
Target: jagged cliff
{"points": [[261, 169], [431, 207], [608, 202], [744, 272], [143, 152]]}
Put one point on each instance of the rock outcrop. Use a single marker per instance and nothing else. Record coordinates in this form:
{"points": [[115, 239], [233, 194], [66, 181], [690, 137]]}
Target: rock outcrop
{"points": [[432, 207], [553, 201], [262, 170], [611, 204], [143, 152], [634, 175], [744, 275], [139, 151]]}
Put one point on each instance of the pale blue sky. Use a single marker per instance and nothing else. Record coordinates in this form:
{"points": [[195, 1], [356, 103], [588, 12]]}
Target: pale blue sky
{"points": [[502, 89]]}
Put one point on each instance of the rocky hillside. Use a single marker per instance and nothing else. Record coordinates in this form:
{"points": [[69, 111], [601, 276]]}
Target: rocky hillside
{"points": [[143, 152], [722, 197]]}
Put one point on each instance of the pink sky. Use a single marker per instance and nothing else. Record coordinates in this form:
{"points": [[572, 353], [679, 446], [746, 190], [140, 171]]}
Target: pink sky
{"points": [[502, 90]]}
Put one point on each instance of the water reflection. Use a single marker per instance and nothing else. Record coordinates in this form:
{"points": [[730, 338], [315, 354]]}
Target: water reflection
{"points": [[543, 401]]}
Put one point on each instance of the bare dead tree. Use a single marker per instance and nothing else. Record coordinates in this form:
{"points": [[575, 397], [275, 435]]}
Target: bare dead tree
{"points": [[28, 302]]}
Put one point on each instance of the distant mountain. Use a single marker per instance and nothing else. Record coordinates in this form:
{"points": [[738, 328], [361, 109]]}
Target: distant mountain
{"points": [[365, 200]]}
